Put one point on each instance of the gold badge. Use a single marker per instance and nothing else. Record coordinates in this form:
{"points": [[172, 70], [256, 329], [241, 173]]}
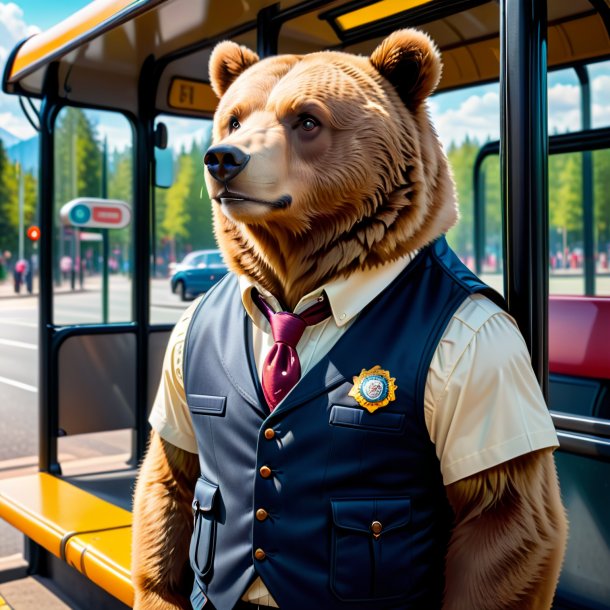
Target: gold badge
{"points": [[374, 388]]}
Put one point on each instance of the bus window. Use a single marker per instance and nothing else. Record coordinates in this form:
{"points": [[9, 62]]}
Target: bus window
{"points": [[601, 202], [185, 262], [564, 99], [466, 120], [599, 75], [572, 189], [93, 159], [566, 224]]}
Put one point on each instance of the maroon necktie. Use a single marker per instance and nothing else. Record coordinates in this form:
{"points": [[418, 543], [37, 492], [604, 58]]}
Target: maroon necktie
{"points": [[282, 369]]}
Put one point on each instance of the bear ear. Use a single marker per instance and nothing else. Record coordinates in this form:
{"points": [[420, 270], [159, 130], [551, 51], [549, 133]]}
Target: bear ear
{"points": [[227, 61], [411, 62]]}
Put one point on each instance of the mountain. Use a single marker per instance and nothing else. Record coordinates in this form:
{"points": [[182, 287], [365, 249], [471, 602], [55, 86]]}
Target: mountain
{"points": [[8, 139], [25, 152]]}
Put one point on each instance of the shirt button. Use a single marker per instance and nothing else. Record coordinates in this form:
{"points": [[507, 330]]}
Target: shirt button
{"points": [[260, 554], [265, 472], [269, 433], [342, 316], [261, 514]]}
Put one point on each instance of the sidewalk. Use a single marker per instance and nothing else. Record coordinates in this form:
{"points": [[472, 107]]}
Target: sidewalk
{"points": [[7, 290]]}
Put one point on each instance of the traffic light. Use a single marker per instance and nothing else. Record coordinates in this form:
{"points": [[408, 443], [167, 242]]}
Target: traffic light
{"points": [[33, 233]]}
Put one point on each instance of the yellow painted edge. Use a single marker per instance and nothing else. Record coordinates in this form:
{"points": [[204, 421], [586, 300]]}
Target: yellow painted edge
{"points": [[375, 12], [4, 605], [75, 26]]}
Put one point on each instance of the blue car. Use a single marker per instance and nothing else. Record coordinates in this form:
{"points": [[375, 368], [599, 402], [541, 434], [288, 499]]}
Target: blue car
{"points": [[197, 273]]}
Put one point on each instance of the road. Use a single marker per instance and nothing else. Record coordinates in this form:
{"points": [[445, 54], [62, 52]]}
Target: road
{"points": [[19, 374]]}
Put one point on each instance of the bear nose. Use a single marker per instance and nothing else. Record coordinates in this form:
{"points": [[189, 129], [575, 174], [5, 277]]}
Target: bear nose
{"points": [[225, 162]]}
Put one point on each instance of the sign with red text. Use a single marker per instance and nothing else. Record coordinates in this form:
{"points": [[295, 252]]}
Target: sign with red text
{"points": [[91, 213]]}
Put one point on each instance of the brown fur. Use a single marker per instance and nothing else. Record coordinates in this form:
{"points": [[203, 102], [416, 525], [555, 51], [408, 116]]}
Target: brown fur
{"points": [[162, 527], [372, 186], [508, 543]]}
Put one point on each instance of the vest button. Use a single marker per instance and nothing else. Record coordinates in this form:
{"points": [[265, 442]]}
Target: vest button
{"points": [[260, 554], [265, 472], [376, 528], [261, 514], [269, 433]]}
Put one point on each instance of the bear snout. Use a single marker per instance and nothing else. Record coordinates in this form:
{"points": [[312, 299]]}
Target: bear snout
{"points": [[225, 162]]}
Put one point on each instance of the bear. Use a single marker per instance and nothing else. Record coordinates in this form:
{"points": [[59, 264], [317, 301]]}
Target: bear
{"points": [[394, 451]]}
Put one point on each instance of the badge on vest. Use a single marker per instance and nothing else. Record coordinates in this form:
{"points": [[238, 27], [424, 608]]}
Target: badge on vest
{"points": [[374, 388]]}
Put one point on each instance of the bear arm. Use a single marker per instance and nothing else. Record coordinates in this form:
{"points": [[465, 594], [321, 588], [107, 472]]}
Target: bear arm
{"points": [[162, 527], [509, 539]]}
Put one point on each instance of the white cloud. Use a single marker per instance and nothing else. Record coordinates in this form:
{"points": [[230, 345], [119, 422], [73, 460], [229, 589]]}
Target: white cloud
{"points": [[476, 117], [13, 29]]}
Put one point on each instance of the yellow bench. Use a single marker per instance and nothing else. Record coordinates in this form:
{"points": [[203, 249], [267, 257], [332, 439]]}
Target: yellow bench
{"points": [[90, 534]]}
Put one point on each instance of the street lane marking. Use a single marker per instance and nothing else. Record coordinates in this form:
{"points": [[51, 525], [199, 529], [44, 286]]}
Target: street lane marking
{"points": [[18, 323], [18, 384], [11, 343]]}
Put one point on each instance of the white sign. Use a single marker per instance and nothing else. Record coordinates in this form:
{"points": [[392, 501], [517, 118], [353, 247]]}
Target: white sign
{"points": [[91, 213]]}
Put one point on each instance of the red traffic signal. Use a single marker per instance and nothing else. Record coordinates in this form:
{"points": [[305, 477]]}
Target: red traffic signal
{"points": [[33, 233]]}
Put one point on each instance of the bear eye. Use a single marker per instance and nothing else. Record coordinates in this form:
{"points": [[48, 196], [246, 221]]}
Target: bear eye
{"points": [[308, 123], [233, 124]]}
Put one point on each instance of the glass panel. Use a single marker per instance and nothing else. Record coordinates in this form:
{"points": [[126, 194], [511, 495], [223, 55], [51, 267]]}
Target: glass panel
{"points": [[91, 256], [564, 102], [599, 75], [466, 120], [183, 233], [566, 224], [492, 265], [601, 203]]}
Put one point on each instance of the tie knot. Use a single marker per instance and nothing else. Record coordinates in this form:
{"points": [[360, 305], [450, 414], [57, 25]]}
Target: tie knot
{"points": [[287, 328]]}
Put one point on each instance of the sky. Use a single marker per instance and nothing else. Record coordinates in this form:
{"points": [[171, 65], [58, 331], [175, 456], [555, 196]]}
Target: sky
{"points": [[19, 20], [473, 113]]}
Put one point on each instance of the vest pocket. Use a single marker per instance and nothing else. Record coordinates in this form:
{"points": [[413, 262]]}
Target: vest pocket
{"points": [[371, 548], [203, 541]]}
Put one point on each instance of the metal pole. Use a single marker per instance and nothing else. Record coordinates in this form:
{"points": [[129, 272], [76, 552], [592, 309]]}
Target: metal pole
{"points": [[21, 205], [105, 240], [48, 390], [267, 31], [479, 216], [523, 162], [588, 203]]}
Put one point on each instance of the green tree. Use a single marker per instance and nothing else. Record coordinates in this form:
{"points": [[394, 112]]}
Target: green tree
{"points": [[175, 220], [565, 199], [601, 198], [461, 158], [77, 157], [198, 205], [7, 237]]}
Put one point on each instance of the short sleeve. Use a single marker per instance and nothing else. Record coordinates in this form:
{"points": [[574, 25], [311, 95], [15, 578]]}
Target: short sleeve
{"points": [[170, 416], [483, 404]]}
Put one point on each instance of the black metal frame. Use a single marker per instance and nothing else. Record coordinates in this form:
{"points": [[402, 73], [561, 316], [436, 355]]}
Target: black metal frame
{"points": [[523, 163]]}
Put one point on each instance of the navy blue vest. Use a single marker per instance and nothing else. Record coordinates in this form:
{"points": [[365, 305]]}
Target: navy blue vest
{"points": [[321, 467]]}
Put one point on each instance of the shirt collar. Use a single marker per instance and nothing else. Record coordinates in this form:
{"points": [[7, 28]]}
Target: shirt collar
{"points": [[347, 296]]}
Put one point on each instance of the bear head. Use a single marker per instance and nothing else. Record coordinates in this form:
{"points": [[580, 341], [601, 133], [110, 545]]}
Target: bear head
{"points": [[325, 163]]}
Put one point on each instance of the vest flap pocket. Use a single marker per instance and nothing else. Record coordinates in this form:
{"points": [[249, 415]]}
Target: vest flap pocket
{"points": [[205, 492], [371, 549], [357, 417], [207, 405], [203, 540], [368, 516]]}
